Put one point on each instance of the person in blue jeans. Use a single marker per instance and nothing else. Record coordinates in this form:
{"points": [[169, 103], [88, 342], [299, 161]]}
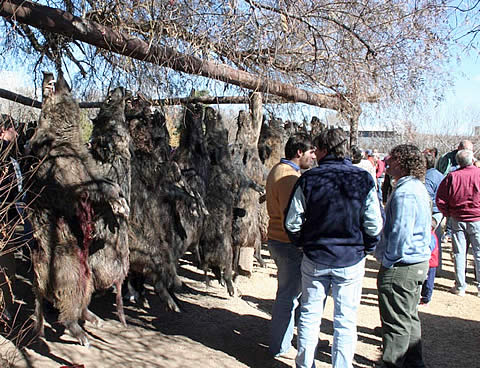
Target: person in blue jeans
{"points": [[429, 283], [334, 216], [299, 154]]}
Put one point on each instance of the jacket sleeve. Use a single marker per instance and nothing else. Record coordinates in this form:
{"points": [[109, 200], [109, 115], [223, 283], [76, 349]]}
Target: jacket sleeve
{"points": [[295, 214], [400, 228], [442, 196], [372, 221]]}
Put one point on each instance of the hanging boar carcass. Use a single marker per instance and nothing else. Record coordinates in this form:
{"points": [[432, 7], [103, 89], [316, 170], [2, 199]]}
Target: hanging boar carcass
{"points": [[66, 187], [166, 213], [110, 148]]}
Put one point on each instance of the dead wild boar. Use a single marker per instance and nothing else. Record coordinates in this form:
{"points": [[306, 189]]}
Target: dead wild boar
{"points": [[216, 247], [246, 231], [192, 157], [66, 187], [110, 148], [166, 213]]}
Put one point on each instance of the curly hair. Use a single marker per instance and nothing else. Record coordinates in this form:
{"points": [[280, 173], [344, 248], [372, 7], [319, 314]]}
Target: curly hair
{"points": [[410, 159]]}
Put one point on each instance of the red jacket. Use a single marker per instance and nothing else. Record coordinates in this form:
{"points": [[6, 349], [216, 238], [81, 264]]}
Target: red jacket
{"points": [[433, 262], [380, 167], [458, 195]]}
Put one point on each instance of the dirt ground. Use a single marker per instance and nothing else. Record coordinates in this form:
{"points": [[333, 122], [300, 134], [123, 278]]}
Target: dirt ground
{"points": [[215, 330]]}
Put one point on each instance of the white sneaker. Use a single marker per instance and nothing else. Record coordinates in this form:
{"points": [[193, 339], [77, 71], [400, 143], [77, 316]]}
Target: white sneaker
{"points": [[290, 354]]}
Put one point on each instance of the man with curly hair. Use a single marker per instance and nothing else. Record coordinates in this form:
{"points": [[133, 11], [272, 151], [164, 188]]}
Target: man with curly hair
{"points": [[404, 253], [334, 215]]}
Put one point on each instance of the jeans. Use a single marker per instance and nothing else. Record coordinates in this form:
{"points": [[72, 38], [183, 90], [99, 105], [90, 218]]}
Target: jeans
{"points": [[461, 232], [427, 287], [288, 259], [398, 295], [346, 285]]}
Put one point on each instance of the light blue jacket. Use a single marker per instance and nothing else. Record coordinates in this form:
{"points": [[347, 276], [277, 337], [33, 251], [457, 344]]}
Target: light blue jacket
{"points": [[407, 232]]}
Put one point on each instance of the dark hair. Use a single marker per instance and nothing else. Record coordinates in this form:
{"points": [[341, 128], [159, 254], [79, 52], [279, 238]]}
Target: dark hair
{"points": [[430, 160], [6, 122], [298, 141], [433, 151], [357, 154], [410, 159], [334, 140]]}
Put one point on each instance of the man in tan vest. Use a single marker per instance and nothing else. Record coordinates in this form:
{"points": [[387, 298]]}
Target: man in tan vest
{"points": [[299, 155]]}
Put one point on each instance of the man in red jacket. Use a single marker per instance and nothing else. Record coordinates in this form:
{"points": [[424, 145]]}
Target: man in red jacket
{"points": [[458, 197]]}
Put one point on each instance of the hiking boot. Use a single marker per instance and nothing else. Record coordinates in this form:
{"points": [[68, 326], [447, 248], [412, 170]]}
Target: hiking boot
{"points": [[456, 291]]}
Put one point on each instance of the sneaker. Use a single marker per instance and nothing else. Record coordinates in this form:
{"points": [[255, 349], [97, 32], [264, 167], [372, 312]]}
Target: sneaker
{"points": [[446, 238], [456, 291], [290, 354]]}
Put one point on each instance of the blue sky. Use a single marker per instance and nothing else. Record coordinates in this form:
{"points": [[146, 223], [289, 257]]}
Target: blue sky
{"points": [[467, 87], [457, 112], [461, 108]]}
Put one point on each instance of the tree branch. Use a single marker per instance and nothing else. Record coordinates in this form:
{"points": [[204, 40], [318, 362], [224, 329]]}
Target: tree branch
{"points": [[58, 21], [370, 51]]}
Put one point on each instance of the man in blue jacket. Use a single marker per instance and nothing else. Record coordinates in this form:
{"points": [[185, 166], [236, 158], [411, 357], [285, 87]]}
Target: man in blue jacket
{"points": [[334, 215]]}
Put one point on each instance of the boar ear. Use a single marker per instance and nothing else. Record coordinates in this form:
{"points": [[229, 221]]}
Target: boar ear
{"points": [[48, 85], [62, 85]]}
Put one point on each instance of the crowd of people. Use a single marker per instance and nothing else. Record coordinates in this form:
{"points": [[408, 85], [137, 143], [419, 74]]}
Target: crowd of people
{"points": [[329, 207], [325, 221]]}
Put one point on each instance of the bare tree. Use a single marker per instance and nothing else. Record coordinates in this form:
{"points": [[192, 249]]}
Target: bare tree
{"points": [[355, 49]]}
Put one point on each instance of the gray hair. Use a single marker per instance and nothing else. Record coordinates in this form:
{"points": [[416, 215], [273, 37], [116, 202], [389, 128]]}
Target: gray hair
{"points": [[464, 157]]}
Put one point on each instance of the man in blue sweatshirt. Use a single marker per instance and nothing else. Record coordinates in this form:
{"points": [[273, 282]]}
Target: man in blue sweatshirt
{"points": [[334, 215]]}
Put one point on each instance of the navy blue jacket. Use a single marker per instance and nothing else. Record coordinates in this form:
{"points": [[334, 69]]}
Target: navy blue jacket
{"points": [[334, 213]]}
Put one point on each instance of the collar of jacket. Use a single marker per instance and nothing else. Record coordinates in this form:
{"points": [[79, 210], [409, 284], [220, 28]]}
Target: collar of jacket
{"points": [[331, 159]]}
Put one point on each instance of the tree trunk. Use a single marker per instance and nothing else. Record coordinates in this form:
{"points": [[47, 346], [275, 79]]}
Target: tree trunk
{"points": [[353, 116]]}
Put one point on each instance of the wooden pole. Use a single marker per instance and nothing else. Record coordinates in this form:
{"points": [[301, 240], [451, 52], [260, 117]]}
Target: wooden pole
{"points": [[208, 100]]}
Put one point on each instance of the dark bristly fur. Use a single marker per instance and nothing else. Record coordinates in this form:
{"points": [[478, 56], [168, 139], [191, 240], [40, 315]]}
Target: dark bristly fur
{"points": [[66, 188], [110, 147], [166, 214], [216, 247]]}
